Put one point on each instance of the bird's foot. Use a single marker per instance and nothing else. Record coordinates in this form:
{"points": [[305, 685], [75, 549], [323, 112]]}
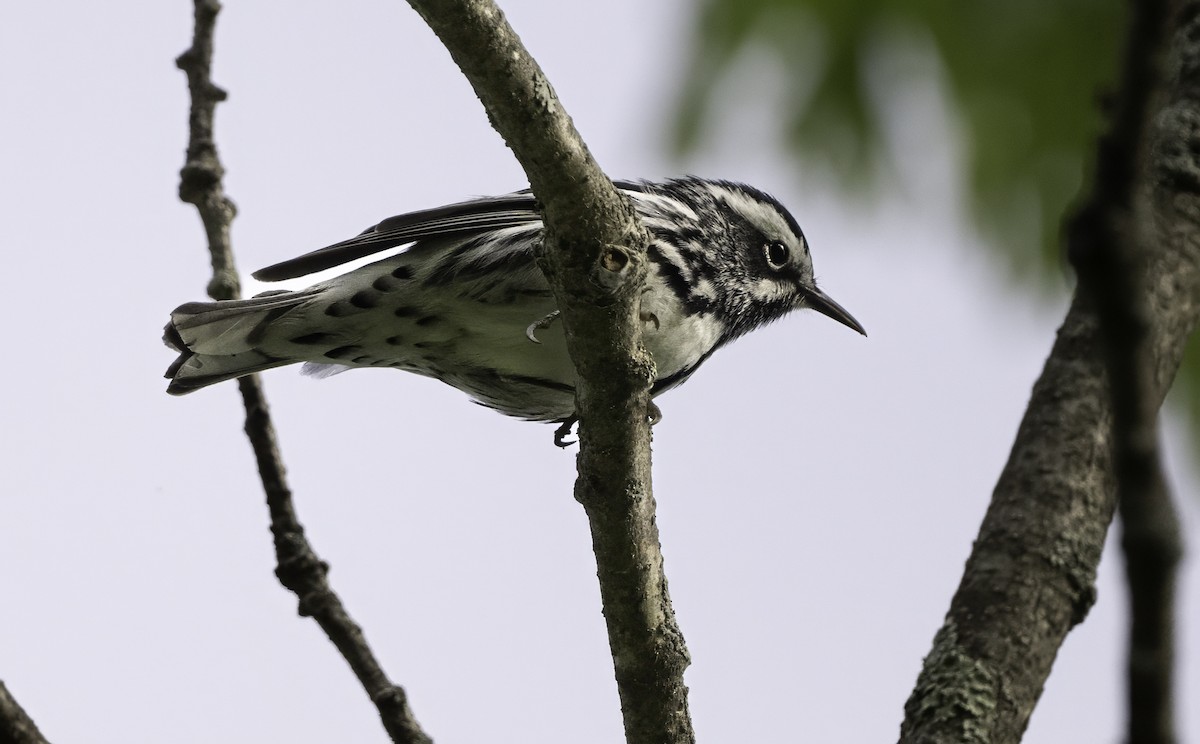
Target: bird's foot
{"points": [[653, 415]]}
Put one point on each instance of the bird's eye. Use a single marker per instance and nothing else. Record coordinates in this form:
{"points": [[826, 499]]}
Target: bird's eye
{"points": [[777, 254]]}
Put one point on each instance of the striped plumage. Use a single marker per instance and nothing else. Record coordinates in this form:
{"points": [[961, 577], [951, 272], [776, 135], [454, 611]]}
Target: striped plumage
{"points": [[463, 302]]}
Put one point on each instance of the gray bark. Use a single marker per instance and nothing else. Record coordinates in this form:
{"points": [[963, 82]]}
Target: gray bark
{"points": [[594, 258], [1031, 575]]}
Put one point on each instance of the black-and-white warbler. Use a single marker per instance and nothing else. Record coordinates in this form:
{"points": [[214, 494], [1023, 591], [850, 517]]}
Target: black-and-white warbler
{"points": [[466, 303]]}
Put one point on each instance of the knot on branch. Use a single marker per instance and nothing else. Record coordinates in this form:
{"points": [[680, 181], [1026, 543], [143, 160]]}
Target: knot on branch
{"points": [[316, 602], [224, 285], [392, 703], [1084, 600], [189, 59], [613, 269], [1176, 157], [391, 697], [302, 572], [200, 175]]}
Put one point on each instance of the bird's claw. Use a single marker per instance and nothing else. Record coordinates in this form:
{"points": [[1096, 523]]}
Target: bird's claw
{"points": [[563, 431], [539, 325], [653, 413]]}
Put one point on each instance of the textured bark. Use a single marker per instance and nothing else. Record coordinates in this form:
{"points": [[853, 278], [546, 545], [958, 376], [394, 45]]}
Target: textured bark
{"points": [[1031, 575], [594, 258], [16, 727], [299, 568]]}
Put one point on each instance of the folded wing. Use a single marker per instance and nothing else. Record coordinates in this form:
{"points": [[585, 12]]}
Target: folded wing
{"points": [[477, 216]]}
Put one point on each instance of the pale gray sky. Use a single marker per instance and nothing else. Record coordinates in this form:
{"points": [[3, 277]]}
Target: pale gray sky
{"points": [[818, 491]]}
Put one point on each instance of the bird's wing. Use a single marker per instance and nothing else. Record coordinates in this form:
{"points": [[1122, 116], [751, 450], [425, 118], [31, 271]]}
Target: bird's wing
{"points": [[465, 218]]}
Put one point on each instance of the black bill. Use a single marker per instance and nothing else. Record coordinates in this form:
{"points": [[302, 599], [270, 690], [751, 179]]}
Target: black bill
{"points": [[824, 304]]}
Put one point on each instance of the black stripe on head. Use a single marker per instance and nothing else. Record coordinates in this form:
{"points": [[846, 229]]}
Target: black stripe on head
{"points": [[671, 273]]}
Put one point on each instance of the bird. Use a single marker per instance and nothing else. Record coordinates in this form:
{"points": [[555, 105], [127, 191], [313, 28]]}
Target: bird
{"points": [[466, 303]]}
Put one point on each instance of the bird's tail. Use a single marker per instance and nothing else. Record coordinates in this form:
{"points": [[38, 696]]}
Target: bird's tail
{"points": [[219, 341]]}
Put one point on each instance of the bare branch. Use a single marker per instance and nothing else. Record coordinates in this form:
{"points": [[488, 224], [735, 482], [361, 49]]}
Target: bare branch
{"points": [[1031, 575], [299, 569], [16, 727], [594, 258], [1107, 248], [200, 178]]}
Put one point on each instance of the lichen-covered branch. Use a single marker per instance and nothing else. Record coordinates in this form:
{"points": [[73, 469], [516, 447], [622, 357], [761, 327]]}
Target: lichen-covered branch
{"points": [[299, 569], [1030, 577], [594, 258], [16, 726]]}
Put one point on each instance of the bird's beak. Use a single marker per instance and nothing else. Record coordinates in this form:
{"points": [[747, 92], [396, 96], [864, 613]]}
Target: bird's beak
{"points": [[824, 304]]}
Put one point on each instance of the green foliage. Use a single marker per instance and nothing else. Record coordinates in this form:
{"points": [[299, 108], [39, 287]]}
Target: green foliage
{"points": [[1026, 78], [1024, 75]]}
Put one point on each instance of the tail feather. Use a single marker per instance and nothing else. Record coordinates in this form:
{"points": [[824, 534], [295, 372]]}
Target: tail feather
{"points": [[217, 341]]}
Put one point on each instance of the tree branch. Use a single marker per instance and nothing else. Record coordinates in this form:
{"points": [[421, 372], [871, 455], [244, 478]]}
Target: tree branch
{"points": [[1106, 249], [16, 727], [1031, 575], [594, 257], [299, 569]]}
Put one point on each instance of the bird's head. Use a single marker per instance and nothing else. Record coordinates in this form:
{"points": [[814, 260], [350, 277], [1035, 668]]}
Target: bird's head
{"points": [[769, 269]]}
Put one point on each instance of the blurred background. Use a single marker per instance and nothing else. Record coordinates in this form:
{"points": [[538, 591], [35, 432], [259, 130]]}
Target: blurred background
{"points": [[818, 492]]}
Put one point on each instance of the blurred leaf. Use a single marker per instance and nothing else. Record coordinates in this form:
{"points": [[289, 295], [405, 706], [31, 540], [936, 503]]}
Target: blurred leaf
{"points": [[1024, 76]]}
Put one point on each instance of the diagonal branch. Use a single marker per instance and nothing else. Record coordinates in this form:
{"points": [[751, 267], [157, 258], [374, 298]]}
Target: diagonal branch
{"points": [[299, 568], [1031, 575], [1107, 248], [594, 258], [16, 726]]}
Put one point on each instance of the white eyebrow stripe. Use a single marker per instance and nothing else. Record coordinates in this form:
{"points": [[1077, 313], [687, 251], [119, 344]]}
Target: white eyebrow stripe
{"points": [[764, 216]]}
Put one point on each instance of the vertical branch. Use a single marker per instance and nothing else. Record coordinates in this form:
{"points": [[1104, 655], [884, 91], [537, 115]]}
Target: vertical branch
{"points": [[16, 727], [1107, 248], [299, 568], [594, 258], [200, 179], [1030, 577]]}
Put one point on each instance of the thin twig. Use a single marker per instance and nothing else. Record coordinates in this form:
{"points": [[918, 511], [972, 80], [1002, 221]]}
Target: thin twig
{"points": [[594, 258], [1107, 248], [299, 569], [16, 727]]}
